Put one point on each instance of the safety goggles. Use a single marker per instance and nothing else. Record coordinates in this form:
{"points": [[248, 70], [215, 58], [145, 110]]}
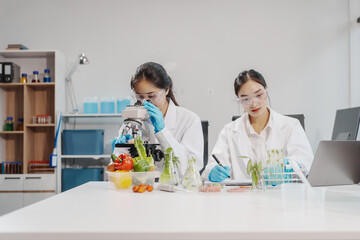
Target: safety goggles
{"points": [[256, 98], [154, 97]]}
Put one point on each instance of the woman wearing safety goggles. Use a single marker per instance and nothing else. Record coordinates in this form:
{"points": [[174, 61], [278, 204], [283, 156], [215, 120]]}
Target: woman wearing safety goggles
{"points": [[257, 131], [174, 126]]}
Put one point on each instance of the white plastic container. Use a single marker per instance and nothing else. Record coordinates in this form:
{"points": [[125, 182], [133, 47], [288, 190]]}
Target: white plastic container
{"points": [[124, 180], [144, 177], [121, 180], [293, 195]]}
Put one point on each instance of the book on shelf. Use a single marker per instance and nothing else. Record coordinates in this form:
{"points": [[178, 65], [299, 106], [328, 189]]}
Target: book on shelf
{"points": [[16, 47]]}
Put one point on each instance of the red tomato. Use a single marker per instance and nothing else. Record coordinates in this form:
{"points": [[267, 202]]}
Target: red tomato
{"points": [[135, 188], [141, 189]]}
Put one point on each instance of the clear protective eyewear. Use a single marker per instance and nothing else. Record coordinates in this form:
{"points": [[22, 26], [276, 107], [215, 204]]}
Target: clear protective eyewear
{"points": [[256, 98], [154, 97]]}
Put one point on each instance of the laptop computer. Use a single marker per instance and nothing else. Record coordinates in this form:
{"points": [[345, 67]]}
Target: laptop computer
{"points": [[335, 163]]}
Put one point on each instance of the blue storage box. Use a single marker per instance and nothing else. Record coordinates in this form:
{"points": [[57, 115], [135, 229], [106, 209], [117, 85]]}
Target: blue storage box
{"points": [[83, 142], [71, 177]]}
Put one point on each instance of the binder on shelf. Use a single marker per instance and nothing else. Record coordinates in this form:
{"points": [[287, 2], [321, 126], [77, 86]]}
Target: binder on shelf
{"points": [[11, 72], [11, 167], [16, 47]]}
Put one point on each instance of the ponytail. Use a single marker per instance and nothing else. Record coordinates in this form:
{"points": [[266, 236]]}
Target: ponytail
{"points": [[171, 93], [172, 97]]}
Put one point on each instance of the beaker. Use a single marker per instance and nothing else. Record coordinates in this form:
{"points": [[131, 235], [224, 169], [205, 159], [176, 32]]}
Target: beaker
{"points": [[192, 179], [170, 173]]}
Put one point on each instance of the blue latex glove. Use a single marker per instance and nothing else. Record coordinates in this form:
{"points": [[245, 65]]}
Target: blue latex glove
{"points": [[122, 139], [219, 173], [156, 116]]}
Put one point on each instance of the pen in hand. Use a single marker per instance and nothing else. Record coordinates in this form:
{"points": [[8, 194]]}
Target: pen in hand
{"points": [[218, 162]]}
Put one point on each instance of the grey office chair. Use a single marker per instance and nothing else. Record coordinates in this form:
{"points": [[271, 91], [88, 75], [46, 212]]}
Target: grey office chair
{"points": [[299, 117], [346, 125], [205, 128]]}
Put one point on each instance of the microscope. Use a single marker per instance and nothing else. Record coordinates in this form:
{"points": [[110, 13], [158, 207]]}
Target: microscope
{"points": [[135, 124]]}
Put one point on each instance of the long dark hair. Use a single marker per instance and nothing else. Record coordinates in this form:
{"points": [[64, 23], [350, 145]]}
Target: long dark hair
{"points": [[156, 74], [245, 76]]}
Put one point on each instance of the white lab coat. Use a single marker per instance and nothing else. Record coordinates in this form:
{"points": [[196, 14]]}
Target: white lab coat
{"points": [[282, 133], [183, 133]]}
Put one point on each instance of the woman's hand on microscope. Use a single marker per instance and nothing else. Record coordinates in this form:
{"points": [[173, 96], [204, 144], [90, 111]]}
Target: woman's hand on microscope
{"points": [[123, 139], [156, 116]]}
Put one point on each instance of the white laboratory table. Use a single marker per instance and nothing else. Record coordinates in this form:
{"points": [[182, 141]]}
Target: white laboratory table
{"points": [[98, 211]]}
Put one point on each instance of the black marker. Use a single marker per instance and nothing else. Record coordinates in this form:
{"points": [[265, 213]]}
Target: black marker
{"points": [[218, 162]]}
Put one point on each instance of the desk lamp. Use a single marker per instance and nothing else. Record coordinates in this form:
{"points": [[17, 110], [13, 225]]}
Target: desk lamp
{"points": [[81, 59]]}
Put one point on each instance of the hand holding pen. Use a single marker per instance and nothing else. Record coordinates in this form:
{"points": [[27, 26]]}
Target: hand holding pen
{"points": [[219, 172]]}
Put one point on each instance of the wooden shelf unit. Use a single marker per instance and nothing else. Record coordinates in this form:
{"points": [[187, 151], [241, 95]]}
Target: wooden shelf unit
{"points": [[11, 86], [39, 144], [10, 132], [37, 125], [14, 146], [18, 100], [39, 100]]}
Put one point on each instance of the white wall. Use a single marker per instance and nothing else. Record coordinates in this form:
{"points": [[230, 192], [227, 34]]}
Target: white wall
{"points": [[300, 46], [355, 52]]}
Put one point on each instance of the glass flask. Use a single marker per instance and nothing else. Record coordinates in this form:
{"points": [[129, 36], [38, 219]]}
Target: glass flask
{"points": [[256, 172], [170, 173], [192, 179], [257, 182]]}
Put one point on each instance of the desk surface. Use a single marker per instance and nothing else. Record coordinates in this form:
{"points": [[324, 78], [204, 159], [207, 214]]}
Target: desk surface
{"points": [[98, 211]]}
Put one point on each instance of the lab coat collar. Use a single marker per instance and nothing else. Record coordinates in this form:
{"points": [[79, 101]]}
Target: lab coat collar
{"points": [[242, 128], [244, 122], [170, 116]]}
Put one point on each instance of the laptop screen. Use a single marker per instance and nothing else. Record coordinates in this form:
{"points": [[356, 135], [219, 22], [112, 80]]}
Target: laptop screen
{"points": [[335, 163]]}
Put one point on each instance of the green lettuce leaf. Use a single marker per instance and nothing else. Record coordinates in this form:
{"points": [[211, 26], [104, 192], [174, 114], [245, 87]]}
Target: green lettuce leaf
{"points": [[139, 145]]}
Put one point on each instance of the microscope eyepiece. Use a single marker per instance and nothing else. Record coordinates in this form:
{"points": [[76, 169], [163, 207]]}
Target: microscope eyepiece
{"points": [[138, 103]]}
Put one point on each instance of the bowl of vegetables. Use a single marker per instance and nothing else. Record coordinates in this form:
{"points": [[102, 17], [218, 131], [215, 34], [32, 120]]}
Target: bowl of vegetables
{"points": [[126, 179], [125, 171]]}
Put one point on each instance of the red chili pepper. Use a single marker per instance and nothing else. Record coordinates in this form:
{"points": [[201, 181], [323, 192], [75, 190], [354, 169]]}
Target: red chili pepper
{"points": [[124, 162]]}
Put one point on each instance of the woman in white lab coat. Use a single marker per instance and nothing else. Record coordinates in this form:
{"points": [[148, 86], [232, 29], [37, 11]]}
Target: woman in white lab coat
{"points": [[258, 130], [174, 126]]}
